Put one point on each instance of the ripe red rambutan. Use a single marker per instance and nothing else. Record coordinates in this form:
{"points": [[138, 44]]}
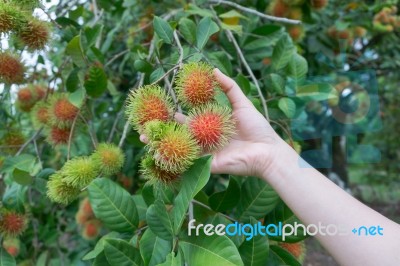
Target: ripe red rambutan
{"points": [[12, 245], [12, 223], [29, 96], [91, 229], [278, 8], [155, 174], [196, 84], [319, 4], [148, 103], [62, 112], [12, 71], [58, 136], [298, 249], [211, 125], [34, 34], [296, 32]]}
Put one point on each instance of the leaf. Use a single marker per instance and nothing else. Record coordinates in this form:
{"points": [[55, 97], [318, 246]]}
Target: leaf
{"points": [[113, 205], [141, 206], [221, 61], [195, 10], [283, 52], [226, 200], [6, 259], [73, 81], [254, 252], [24, 162], [101, 260], [22, 177], [188, 29], [159, 220], [193, 180], [96, 81], [74, 50], [163, 29], [91, 34], [243, 83], [156, 74], [153, 249], [315, 92], [287, 106], [172, 260], [99, 248], [232, 14], [205, 29], [297, 67], [257, 199], [142, 66], [237, 239], [77, 97], [275, 82], [14, 197], [121, 253], [281, 257], [210, 250]]}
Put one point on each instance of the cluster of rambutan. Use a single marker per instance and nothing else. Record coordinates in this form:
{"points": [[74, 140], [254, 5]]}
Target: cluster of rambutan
{"points": [[85, 218], [29, 96], [173, 147], [12, 225], [65, 185], [387, 20]]}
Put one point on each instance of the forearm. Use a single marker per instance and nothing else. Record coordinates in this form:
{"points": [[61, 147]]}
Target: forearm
{"points": [[315, 199]]}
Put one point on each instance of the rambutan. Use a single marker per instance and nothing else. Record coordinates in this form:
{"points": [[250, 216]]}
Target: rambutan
{"points": [[12, 71], [59, 191], [196, 84], [298, 249], [125, 181], [62, 112], [360, 32], [344, 34], [34, 34], [79, 172], [85, 212], [91, 229], [211, 126], [85, 206], [319, 4], [58, 136], [155, 174], [11, 18], [174, 149], [13, 139], [295, 13], [40, 114], [12, 223], [148, 103], [278, 8], [296, 32], [29, 96], [12, 245], [108, 158]]}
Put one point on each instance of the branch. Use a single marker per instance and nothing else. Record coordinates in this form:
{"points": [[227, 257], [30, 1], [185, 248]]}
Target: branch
{"points": [[255, 12], [29, 141], [71, 133], [92, 137], [115, 57]]}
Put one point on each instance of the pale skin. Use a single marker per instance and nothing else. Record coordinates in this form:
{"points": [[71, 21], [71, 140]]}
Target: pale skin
{"points": [[257, 150]]}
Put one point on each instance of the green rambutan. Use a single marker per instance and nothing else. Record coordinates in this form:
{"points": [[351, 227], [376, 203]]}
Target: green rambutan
{"points": [[40, 114], [79, 172], [59, 191], [174, 149], [108, 158], [27, 5], [13, 139], [148, 103], [34, 34], [11, 17], [12, 245], [58, 136], [211, 125], [61, 111], [155, 174], [91, 229], [12, 223], [12, 71], [298, 250], [196, 84]]}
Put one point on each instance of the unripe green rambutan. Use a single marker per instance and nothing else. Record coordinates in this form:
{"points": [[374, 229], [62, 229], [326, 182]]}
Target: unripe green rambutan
{"points": [[79, 172], [11, 18], [12, 245], [91, 229], [40, 114], [27, 5], [62, 112], [13, 139], [174, 149], [12, 223], [58, 136], [298, 250], [148, 103], [12, 71], [211, 125], [108, 158], [59, 191], [35, 34], [155, 174], [196, 84]]}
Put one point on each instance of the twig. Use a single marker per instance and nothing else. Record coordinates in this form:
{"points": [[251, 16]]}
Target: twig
{"points": [[165, 74], [124, 133], [178, 43], [115, 57], [255, 12], [92, 137], [29, 141], [71, 133], [114, 127], [208, 207], [37, 153]]}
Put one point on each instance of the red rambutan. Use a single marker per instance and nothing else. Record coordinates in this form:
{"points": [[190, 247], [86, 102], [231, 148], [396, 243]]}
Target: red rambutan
{"points": [[91, 229], [12, 223], [298, 249], [61, 111], [40, 114], [319, 4], [296, 32], [58, 136], [12, 245], [211, 126], [12, 71], [196, 84], [278, 8], [35, 34], [155, 174], [29, 96]]}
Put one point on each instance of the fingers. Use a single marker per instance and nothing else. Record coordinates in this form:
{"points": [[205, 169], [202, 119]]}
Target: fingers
{"points": [[232, 90], [144, 139]]}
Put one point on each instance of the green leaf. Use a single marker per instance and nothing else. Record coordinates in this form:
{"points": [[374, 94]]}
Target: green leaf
{"points": [[121, 253], [195, 10], [113, 205], [163, 29], [226, 200], [275, 82], [154, 249], [297, 67], [237, 239], [14, 197], [315, 92], [99, 248], [205, 29], [243, 83], [92, 34], [193, 180], [73, 81], [172, 260], [6, 259], [257, 199], [281, 257], [77, 97], [159, 220], [221, 61], [232, 14], [24, 162], [188, 29], [142, 66], [141, 206], [22, 177], [96, 81], [101, 260], [210, 250], [74, 50], [254, 252], [283, 52], [287, 106], [156, 74]]}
